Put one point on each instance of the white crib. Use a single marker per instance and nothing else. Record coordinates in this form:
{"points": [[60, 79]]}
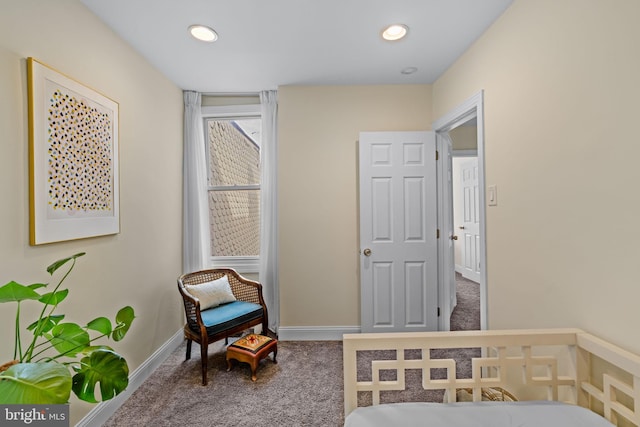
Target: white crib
{"points": [[561, 365]]}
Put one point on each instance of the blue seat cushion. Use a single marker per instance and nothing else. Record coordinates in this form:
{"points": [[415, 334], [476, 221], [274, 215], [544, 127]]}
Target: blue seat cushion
{"points": [[227, 316]]}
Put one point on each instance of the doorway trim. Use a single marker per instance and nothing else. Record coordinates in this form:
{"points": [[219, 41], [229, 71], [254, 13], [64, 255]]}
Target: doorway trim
{"points": [[472, 107]]}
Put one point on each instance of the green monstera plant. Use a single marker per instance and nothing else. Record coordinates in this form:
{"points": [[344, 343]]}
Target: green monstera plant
{"points": [[61, 356]]}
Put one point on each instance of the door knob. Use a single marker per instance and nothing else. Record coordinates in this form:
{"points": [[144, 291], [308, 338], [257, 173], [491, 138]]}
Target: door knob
{"points": [[454, 237], [461, 227], [367, 252]]}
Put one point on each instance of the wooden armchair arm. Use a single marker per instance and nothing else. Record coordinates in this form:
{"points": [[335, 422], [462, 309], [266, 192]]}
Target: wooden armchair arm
{"points": [[192, 309], [245, 289]]}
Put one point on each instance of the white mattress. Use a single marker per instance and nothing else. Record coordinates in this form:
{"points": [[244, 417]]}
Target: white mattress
{"points": [[480, 414]]}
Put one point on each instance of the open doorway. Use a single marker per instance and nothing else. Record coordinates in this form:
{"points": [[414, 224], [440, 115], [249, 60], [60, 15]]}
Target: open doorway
{"points": [[456, 130], [466, 226], [466, 210]]}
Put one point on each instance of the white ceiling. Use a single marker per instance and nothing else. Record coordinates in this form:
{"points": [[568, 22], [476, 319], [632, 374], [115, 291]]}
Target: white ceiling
{"points": [[264, 44]]}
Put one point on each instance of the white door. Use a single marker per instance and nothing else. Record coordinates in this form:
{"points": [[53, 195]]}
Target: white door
{"points": [[471, 220], [398, 251], [446, 266]]}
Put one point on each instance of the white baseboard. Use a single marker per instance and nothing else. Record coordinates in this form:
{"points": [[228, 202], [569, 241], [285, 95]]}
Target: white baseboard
{"points": [[102, 411], [315, 333], [459, 269]]}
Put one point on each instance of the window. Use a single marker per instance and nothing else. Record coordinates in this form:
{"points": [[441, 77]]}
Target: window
{"points": [[233, 153]]}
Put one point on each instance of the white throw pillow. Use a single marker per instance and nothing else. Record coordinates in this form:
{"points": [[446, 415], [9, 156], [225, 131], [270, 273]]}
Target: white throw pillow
{"points": [[212, 294]]}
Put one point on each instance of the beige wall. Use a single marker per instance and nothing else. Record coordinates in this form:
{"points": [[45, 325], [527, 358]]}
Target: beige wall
{"points": [[218, 100], [139, 266], [464, 138], [560, 80], [317, 183]]}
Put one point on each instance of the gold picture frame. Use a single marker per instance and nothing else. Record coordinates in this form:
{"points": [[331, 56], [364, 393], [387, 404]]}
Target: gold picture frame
{"points": [[73, 158]]}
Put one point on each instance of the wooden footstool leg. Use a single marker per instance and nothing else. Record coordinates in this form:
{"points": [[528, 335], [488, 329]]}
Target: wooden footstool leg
{"points": [[254, 368]]}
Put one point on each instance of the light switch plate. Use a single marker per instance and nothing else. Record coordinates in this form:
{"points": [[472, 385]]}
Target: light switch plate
{"points": [[492, 195]]}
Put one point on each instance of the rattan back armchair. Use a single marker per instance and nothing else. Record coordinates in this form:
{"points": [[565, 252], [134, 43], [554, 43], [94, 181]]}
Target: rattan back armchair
{"points": [[208, 331]]}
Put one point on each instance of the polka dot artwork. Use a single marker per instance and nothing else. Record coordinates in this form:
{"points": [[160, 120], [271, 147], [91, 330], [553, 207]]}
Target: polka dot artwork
{"points": [[73, 158], [80, 160]]}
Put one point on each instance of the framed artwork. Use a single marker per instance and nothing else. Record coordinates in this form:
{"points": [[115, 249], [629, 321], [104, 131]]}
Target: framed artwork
{"points": [[73, 158]]}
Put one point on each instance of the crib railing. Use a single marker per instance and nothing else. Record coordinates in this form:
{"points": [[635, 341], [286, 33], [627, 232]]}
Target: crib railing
{"points": [[551, 364]]}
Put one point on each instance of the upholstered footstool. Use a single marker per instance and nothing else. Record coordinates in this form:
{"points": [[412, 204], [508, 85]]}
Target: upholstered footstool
{"points": [[252, 349]]}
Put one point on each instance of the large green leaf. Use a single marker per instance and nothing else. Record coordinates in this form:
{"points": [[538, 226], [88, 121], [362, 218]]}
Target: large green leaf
{"points": [[124, 318], [35, 383], [101, 366], [69, 338], [54, 298], [100, 324], [13, 291], [56, 265]]}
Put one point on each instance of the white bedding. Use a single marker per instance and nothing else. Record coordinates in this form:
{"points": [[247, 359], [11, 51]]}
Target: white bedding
{"points": [[480, 414]]}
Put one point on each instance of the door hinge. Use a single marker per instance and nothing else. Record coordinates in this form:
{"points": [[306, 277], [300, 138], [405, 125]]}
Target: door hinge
{"points": [[438, 311], [437, 155], [437, 233]]}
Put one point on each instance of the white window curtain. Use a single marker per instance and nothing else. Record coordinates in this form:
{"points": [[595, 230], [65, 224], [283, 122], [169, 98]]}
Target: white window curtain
{"points": [[196, 236], [269, 207]]}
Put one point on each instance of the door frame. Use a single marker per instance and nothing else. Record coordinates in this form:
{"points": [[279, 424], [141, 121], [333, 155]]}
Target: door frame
{"points": [[470, 108]]}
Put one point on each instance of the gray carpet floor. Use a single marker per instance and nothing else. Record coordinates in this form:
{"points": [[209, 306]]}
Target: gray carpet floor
{"points": [[466, 315], [305, 387]]}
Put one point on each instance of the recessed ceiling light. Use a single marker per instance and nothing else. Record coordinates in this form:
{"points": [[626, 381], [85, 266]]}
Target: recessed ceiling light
{"points": [[395, 32], [203, 33], [409, 70]]}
